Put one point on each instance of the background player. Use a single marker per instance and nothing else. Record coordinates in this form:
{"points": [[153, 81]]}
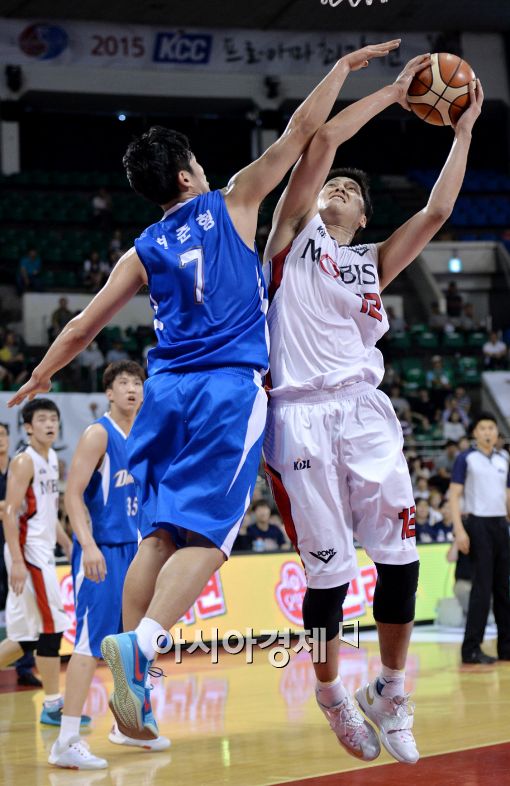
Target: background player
{"points": [[99, 482], [325, 318], [195, 447], [35, 618]]}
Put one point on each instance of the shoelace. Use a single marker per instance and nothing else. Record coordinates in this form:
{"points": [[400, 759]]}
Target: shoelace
{"points": [[155, 672], [403, 710], [351, 719], [82, 748]]}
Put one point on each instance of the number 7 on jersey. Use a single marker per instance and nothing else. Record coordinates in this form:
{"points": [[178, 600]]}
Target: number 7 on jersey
{"points": [[195, 256]]}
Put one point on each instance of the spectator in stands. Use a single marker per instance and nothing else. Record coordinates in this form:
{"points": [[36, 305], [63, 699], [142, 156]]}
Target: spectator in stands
{"points": [[436, 505], [421, 489], [501, 445], [452, 405], [397, 324], [116, 243], [495, 352], [28, 276], [95, 272], [429, 530], [453, 301], [91, 360], [444, 466], [438, 381], [424, 406], [406, 423], [262, 535], [437, 321], [12, 357], [463, 398], [60, 317], [468, 320], [117, 352], [400, 405], [464, 443], [391, 377], [102, 209]]}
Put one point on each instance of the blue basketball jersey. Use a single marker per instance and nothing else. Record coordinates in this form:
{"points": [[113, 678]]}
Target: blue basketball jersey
{"points": [[206, 289], [111, 495]]}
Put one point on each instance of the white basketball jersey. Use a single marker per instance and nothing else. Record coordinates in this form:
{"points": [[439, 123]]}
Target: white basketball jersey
{"points": [[325, 314], [39, 515]]}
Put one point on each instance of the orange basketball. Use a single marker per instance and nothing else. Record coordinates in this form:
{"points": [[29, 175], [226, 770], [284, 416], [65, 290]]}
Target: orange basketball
{"points": [[440, 93]]}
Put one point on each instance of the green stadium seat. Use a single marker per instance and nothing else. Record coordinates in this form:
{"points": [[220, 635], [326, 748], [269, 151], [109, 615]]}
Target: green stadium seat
{"points": [[427, 340], [400, 341], [453, 340], [476, 339]]}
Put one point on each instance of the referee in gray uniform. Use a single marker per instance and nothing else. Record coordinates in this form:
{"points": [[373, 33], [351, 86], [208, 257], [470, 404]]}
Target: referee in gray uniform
{"points": [[481, 475]]}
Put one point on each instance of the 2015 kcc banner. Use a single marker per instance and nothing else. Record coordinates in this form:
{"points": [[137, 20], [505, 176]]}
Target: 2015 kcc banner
{"points": [[264, 592]]}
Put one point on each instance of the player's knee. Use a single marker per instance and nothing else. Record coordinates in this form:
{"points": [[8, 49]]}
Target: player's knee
{"points": [[27, 646], [48, 645], [395, 593], [322, 608]]}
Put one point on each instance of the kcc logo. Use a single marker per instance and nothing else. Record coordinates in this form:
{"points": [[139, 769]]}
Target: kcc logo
{"points": [[183, 48]]}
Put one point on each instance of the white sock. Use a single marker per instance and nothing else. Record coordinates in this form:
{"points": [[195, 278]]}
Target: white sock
{"points": [[145, 636], [331, 693], [390, 682], [69, 727], [52, 700]]}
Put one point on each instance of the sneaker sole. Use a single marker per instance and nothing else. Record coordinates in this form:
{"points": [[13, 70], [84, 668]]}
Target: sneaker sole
{"points": [[124, 704], [149, 746], [382, 734]]}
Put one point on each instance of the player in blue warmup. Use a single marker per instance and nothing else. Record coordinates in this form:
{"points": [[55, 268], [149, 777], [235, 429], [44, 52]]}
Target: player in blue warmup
{"points": [[99, 483], [195, 447]]}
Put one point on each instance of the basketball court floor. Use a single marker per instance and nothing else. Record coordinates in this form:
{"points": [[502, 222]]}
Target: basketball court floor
{"points": [[255, 725]]}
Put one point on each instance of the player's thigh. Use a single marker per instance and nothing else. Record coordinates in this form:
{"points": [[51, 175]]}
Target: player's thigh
{"points": [[310, 488], [152, 553], [380, 489]]}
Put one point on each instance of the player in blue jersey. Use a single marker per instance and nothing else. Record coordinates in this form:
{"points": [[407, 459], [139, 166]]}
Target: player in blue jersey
{"points": [[195, 447], [101, 486]]}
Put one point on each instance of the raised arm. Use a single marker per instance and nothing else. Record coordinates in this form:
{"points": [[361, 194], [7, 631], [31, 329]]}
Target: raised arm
{"points": [[21, 471], [125, 280], [251, 185], [87, 457], [409, 240], [299, 200]]}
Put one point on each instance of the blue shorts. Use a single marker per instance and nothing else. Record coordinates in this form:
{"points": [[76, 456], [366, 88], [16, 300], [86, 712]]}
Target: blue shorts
{"points": [[194, 452], [99, 606]]}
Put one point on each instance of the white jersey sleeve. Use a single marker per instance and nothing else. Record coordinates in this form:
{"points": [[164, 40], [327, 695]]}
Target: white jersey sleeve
{"points": [[325, 314]]}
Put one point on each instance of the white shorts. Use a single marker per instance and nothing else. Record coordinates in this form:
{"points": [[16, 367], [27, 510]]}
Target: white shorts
{"points": [[335, 462], [39, 608]]}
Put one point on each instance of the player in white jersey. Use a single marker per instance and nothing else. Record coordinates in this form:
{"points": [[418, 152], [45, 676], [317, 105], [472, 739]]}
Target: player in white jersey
{"points": [[34, 615], [333, 444]]}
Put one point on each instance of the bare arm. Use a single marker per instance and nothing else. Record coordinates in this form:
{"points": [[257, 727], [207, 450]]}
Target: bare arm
{"points": [[461, 537], [251, 185], [409, 240], [87, 457], [125, 280], [21, 470]]}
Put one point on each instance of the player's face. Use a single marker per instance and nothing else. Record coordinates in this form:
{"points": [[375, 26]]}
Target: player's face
{"points": [[486, 433], [4, 440], [126, 393], [44, 427], [201, 181], [341, 202]]}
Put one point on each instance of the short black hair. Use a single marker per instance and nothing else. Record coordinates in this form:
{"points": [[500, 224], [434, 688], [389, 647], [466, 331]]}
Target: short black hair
{"points": [[29, 410], [153, 160], [5, 426], [114, 370], [261, 502], [483, 416], [362, 179]]}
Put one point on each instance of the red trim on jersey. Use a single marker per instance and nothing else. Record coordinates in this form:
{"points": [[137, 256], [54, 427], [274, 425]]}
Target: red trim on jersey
{"points": [[282, 503], [41, 597], [277, 263], [31, 510]]}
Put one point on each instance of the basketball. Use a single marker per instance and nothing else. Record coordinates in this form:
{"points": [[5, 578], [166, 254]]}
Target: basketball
{"points": [[440, 93]]}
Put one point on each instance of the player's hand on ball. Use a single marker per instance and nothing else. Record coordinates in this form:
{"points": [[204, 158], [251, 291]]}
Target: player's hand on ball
{"points": [[404, 79], [361, 57], [18, 577], [462, 541], [94, 564], [468, 118], [35, 385]]}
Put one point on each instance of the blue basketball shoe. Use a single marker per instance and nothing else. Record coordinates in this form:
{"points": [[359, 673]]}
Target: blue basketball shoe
{"points": [[52, 716], [130, 700]]}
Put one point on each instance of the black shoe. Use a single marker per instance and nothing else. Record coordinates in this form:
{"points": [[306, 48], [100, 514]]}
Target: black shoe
{"points": [[478, 657], [29, 679], [504, 656]]}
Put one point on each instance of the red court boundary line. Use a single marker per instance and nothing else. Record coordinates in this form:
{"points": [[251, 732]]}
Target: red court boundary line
{"points": [[476, 766]]}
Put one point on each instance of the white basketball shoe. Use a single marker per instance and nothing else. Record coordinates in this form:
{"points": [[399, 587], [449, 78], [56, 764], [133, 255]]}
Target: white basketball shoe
{"points": [[75, 755], [352, 731], [159, 744], [394, 718]]}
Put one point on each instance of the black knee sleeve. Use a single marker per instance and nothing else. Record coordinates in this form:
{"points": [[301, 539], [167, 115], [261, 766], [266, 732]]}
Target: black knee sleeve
{"points": [[395, 593], [48, 645], [27, 646], [322, 608]]}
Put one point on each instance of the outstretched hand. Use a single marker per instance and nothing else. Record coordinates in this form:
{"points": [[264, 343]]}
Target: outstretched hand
{"points": [[468, 118], [406, 76], [361, 57], [30, 389]]}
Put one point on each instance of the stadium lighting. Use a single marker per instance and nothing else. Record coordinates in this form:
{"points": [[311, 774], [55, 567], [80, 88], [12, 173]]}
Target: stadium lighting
{"points": [[455, 264]]}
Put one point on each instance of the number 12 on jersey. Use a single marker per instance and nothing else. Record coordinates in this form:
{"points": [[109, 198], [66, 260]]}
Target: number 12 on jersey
{"points": [[371, 304], [195, 256]]}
